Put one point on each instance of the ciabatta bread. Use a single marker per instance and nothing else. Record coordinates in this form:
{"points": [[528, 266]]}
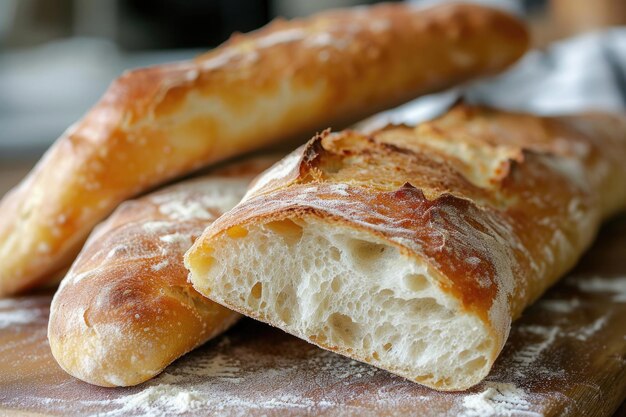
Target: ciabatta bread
{"points": [[413, 248], [293, 77], [125, 309]]}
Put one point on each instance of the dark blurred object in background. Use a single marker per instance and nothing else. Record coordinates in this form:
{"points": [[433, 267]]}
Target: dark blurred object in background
{"points": [[154, 24], [29, 22], [131, 24], [146, 24]]}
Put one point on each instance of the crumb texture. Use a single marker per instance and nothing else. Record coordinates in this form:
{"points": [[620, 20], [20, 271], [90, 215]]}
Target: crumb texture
{"points": [[337, 288]]}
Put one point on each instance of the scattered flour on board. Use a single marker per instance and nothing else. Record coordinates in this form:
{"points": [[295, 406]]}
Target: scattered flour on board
{"points": [[162, 399], [220, 366], [17, 317], [498, 399], [221, 384], [584, 333], [17, 312], [227, 379], [616, 285], [176, 391], [561, 306], [528, 354]]}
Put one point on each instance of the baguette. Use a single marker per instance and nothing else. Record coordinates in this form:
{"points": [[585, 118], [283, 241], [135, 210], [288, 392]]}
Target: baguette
{"points": [[125, 309], [414, 248], [289, 78]]}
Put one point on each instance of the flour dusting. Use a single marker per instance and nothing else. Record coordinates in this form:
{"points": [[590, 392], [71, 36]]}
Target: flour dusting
{"points": [[587, 331], [498, 399], [527, 355], [179, 241], [156, 226], [17, 317], [616, 285], [162, 399], [185, 210], [160, 265], [202, 199], [234, 377], [561, 306], [17, 312]]}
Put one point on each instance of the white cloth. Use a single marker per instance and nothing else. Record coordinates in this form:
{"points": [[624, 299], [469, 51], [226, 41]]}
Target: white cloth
{"points": [[587, 72]]}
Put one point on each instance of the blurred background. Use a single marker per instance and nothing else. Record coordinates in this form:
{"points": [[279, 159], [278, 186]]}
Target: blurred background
{"points": [[58, 56]]}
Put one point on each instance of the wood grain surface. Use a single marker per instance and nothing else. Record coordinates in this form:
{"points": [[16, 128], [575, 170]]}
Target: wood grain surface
{"points": [[566, 356]]}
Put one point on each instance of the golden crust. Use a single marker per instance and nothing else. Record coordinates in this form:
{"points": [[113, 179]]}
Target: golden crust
{"points": [[158, 123], [125, 309], [499, 204]]}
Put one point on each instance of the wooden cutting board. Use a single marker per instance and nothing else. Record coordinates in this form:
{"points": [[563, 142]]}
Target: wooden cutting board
{"points": [[565, 357]]}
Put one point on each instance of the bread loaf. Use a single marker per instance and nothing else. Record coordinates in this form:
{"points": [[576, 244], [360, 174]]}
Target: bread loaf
{"points": [[125, 309], [413, 248], [288, 78]]}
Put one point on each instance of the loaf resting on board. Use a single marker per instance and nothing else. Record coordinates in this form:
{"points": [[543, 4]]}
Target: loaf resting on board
{"points": [[125, 309], [413, 248]]}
